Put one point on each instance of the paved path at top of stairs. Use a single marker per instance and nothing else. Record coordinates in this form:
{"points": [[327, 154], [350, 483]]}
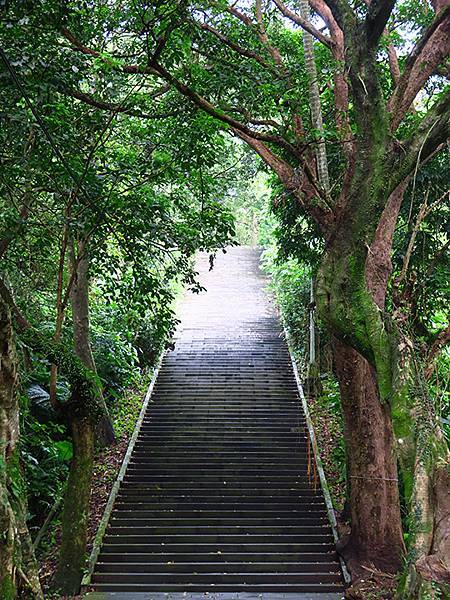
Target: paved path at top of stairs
{"points": [[216, 502]]}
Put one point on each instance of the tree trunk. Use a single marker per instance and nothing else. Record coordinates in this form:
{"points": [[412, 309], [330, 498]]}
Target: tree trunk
{"points": [[376, 532], [78, 491], [81, 334], [314, 97], [350, 295], [384, 398], [425, 463], [76, 508], [60, 310], [18, 568], [83, 412]]}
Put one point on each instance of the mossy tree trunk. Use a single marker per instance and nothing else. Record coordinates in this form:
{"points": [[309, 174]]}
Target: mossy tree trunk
{"points": [[83, 412], [376, 531], [76, 503], [18, 568], [386, 419], [378, 384]]}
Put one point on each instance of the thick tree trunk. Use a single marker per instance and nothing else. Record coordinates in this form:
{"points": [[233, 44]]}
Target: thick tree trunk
{"points": [[18, 568], [381, 400], [376, 532], [351, 293], [81, 334], [76, 508]]}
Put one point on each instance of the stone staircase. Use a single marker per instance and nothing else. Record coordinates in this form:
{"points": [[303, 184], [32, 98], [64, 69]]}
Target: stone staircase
{"points": [[216, 501]]}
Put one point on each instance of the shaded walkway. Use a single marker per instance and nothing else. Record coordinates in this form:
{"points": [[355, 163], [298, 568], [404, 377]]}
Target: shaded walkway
{"points": [[216, 501]]}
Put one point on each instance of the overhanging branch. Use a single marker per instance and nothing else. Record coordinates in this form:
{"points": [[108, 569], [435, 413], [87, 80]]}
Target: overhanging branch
{"points": [[212, 110], [115, 108]]}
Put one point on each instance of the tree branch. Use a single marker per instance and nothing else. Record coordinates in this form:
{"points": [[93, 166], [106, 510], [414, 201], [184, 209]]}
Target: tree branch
{"points": [[394, 67], [424, 141], [238, 14], [283, 169], [378, 14], [236, 47], [273, 51], [295, 181], [115, 108], [209, 108], [343, 14], [87, 99], [157, 69], [429, 53], [341, 93], [131, 69], [306, 25]]}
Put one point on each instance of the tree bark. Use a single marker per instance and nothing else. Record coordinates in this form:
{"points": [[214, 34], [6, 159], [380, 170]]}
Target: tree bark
{"points": [[18, 568], [83, 412], [60, 310], [314, 96], [76, 508], [79, 297], [376, 532], [351, 289]]}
